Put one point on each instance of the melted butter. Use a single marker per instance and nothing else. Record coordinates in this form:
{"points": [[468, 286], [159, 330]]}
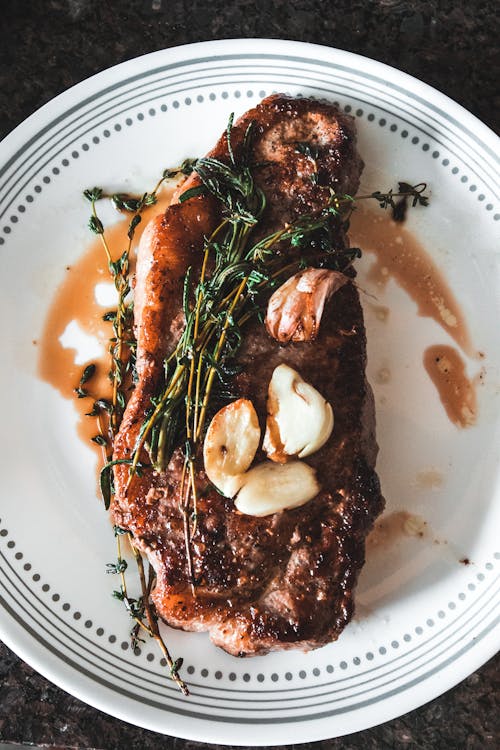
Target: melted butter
{"points": [[398, 255], [446, 369], [75, 302]]}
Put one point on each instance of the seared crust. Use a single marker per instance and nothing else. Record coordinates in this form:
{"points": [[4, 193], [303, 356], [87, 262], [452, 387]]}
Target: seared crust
{"points": [[286, 580]]}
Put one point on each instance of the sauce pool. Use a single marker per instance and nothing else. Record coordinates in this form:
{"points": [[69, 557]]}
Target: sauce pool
{"points": [[457, 392], [75, 305], [400, 256]]}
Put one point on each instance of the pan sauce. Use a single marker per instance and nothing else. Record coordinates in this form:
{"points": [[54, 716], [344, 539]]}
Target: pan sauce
{"points": [[75, 302], [398, 255]]}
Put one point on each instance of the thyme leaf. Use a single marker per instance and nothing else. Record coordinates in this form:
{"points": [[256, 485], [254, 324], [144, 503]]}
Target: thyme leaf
{"points": [[118, 531], [106, 478], [93, 194], [307, 149], [88, 373], [192, 193], [118, 567], [95, 225]]}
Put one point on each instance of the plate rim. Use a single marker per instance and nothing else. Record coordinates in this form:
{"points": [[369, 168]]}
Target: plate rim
{"points": [[256, 45], [243, 45]]}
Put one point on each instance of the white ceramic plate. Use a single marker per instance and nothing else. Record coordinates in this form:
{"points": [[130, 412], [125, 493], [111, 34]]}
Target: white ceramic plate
{"points": [[424, 621]]}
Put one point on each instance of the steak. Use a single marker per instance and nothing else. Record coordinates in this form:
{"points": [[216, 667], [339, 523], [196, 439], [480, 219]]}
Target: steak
{"points": [[285, 580]]}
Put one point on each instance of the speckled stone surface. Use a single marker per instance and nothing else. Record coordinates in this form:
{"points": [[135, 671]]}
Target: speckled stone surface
{"points": [[34, 711], [49, 45]]}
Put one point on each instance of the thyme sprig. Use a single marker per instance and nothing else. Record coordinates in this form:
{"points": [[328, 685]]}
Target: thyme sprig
{"points": [[122, 343], [122, 319], [141, 610], [405, 190], [122, 351]]}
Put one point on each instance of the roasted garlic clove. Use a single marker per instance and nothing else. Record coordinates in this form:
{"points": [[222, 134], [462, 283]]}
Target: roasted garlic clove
{"points": [[230, 445], [294, 310], [268, 488], [299, 419]]}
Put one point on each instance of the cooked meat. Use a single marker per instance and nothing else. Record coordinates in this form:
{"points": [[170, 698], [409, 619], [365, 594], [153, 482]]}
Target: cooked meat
{"points": [[285, 580]]}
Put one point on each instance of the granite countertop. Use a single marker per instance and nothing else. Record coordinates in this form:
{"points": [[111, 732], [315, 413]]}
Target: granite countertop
{"points": [[49, 46]]}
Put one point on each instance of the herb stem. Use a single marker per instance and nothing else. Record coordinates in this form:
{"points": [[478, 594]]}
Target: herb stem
{"points": [[187, 534], [153, 624], [101, 234], [179, 372], [217, 354], [195, 498], [136, 619]]}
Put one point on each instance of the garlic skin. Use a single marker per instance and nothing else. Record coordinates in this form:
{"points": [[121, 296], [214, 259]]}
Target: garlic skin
{"points": [[269, 488], [295, 309], [231, 443], [299, 420]]}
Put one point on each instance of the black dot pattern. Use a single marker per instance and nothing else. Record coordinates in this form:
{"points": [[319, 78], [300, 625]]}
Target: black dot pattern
{"points": [[152, 111]]}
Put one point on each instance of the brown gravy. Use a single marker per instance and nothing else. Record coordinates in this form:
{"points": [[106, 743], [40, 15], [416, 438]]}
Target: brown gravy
{"points": [[446, 369], [400, 256], [74, 301]]}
